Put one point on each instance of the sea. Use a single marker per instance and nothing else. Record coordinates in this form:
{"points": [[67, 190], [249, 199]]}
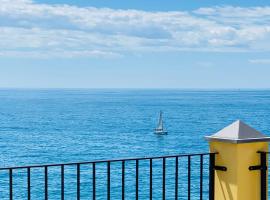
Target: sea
{"points": [[45, 126]]}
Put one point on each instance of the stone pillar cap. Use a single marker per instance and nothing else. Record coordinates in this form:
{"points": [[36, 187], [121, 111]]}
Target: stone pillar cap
{"points": [[238, 132]]}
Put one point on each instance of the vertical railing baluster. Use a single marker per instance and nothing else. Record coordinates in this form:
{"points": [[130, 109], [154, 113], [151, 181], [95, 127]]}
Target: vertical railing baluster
{"points": [[108, 180], [78, 182], [46, 182], [201, 177], [137, 179], [151, 179], [164, 179], [211, 177], [189, 180], [28, 183], [10, 185], [263, 176], [176, 178], [123, 180], [94, 181], [62, 182]]}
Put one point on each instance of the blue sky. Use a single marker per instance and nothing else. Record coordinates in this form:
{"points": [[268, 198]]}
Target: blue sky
{"points": [[134, 44]]}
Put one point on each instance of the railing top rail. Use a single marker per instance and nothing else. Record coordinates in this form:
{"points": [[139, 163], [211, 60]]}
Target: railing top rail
{"points": [[104, 161]]}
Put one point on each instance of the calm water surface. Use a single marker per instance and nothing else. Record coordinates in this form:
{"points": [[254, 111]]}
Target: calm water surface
{"points": [[55, 126]]}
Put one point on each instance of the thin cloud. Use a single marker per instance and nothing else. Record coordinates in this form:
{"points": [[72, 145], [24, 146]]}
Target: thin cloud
{"points": [[260, 61], [27, 28]]}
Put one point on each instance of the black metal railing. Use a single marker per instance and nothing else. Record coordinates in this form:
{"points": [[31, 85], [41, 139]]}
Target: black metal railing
{"points": [[185, 176], [263, 173]]}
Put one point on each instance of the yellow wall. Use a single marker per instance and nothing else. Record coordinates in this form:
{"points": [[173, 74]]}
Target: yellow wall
{"points": [[237, 183]]}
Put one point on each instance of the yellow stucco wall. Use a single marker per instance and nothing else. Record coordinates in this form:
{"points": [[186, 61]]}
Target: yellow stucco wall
{"points": [[237, 183]]}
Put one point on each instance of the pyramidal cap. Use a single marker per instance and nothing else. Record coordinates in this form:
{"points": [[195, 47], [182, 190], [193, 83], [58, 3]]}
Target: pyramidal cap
{"points": [[238, 132]]}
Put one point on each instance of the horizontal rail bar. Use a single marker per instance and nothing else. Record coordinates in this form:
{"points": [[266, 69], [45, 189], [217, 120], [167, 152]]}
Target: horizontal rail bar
{"points": [[220, 168], [263, 152], [105, 161], [257, 167]]}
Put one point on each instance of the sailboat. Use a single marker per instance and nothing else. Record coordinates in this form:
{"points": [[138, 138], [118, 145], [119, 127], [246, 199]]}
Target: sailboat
{"points": [[160, 129]]}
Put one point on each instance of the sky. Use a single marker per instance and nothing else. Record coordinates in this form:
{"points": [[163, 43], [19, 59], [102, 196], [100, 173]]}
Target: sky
{"points": [[135, 44]]}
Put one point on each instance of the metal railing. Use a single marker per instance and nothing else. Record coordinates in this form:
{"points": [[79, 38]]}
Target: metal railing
{"points": [[263, 168], [185, 176]]}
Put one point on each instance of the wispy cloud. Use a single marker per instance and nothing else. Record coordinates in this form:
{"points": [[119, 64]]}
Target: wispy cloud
{"points": [[32, 29], [260, 61]]}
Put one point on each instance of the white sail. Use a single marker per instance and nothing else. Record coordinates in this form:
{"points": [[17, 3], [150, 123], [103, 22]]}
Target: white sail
{"points": [[160, 129], [160, 122]]}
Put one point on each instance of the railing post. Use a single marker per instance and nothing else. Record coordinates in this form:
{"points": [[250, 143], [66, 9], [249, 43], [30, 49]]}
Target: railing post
{"points": [[231, 169], [211, 177], [263, 176]]}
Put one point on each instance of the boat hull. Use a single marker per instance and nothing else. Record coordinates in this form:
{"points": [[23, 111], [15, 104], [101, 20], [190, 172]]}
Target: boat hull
{"points": [[161, 132]]}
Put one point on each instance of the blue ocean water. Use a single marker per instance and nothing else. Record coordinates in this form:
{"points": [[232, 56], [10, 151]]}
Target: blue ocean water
{"points": [[59, 126]]}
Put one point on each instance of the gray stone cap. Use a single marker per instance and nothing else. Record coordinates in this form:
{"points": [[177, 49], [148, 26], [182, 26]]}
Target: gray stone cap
{"points": [[238, 132]]}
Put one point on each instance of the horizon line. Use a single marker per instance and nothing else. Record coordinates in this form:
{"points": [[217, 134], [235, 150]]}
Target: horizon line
{"points": [[123, 88]]}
